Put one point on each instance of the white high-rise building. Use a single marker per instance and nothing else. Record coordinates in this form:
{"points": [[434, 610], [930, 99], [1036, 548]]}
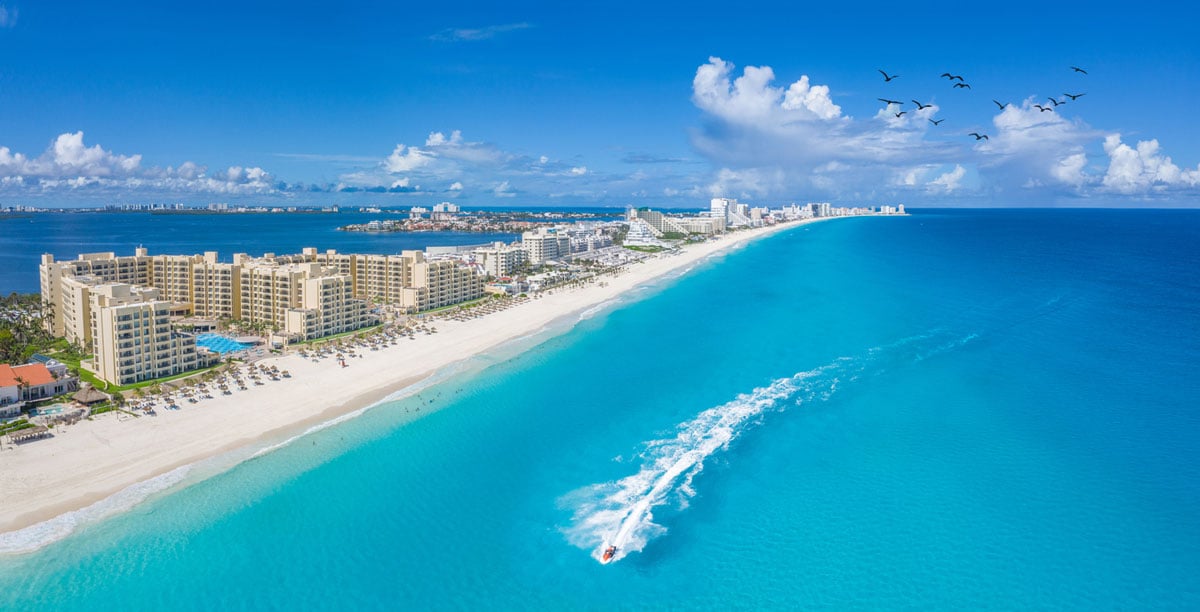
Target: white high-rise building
{"points": [[546, 243], [500, 259], [736, 214]]}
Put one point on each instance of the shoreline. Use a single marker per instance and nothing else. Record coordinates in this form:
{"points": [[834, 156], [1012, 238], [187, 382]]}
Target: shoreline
{"points": [[98, 464]]}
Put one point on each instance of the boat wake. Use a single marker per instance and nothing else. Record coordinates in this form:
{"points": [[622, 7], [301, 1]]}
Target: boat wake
{"points": [[621, 513]]}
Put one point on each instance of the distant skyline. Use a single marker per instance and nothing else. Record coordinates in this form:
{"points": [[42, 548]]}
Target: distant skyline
{"points": [[525, 104]]}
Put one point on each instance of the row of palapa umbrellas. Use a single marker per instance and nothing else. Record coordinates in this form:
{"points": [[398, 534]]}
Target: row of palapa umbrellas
{"points": [[486, 308], [378, 340], [224, 383]]}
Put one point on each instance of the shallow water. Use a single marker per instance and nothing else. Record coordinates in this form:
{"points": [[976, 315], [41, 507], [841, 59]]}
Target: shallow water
{"points": [[949, 410]]}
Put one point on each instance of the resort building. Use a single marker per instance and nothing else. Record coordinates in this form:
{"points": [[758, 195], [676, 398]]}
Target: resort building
{"points": [[27, 383], [133, 339], [500, 259], [662, 224], [735, 214], [545, 243], [439, 283], [295, 297], [707, 226], [641, 234]]}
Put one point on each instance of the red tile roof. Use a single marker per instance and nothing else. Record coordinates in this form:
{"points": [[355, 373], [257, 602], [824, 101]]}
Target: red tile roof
{"points": [[34, 374]]}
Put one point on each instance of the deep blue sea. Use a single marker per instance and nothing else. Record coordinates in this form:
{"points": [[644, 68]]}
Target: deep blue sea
{"points": [[24, 237], [953, 410]]}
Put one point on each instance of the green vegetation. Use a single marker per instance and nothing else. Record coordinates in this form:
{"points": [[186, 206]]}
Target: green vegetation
{"points": [[364, 331], [674, 235], [16, 425], [646, 248], [21, 332], [469, 304]]}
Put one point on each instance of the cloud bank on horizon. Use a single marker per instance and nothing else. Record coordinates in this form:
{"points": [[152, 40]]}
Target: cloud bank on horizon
{"points": [[769, 140], [763, 141]]}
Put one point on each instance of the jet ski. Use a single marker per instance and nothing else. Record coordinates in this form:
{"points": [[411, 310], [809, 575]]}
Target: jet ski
{"points": [[608, 554]]}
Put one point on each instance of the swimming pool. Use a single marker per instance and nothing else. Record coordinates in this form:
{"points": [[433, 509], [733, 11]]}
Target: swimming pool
{"points": [[220, 344], [49, 410]]}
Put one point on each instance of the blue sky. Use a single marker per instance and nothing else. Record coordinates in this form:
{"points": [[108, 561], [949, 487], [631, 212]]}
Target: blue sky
{"points": [[613, 104]]}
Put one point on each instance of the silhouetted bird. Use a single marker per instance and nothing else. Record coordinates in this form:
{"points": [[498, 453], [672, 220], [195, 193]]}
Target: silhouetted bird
{"points": [[997, 103], [1078, 69], [1076, 96], [1043, 108], [956, 85], [979, 136], [936, 122], [901, 114], [1056, 102], [886, 101], [886, 77], [921, 106], [951, 76]]}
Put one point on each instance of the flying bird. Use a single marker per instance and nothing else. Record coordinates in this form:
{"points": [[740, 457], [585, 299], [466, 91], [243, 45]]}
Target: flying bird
{"points": [[1056, 102], [1075, 96], [886, 77], [979, 136], [952, 76], [997, 103], [1078, 69], [886, 101], [901, 114], [1043, 108], [921, 106], [957, 85], [936, 122]]}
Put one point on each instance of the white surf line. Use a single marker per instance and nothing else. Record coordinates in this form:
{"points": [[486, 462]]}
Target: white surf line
{"points": [[40, 534]]}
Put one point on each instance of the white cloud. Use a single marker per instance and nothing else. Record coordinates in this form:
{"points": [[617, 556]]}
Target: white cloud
{"points": [[578, 171], [949, 181], [1143, 169], [69, 164], [456, 186], [815, 99], [503, 190], [751, 99], [1069, 170], [796, 142], [406, 159]]}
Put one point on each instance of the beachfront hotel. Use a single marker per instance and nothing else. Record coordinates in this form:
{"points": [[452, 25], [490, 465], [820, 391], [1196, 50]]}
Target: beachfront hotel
{"points": [[94, 300], [661, 224], [133, 338]]}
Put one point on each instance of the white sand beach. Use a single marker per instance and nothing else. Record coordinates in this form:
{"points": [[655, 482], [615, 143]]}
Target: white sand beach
{"points": [[95, 459]]}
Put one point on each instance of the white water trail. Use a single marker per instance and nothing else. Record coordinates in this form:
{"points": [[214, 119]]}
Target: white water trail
{"points": [[621, 513]]}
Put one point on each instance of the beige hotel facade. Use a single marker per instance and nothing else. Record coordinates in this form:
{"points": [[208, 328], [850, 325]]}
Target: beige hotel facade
{"points": [[299, 297]]}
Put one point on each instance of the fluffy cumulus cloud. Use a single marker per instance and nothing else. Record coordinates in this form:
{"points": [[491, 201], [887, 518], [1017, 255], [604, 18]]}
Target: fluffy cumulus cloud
{"points": [[794, 141], [949, 181], [1143, 168], [69, 165]]}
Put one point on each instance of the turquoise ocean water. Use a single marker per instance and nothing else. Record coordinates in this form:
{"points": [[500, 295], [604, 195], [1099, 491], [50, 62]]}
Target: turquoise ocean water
{"points": [[961, 409]]}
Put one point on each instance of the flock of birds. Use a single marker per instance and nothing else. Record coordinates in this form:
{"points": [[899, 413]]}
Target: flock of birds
{"points": [[962, 84]]}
